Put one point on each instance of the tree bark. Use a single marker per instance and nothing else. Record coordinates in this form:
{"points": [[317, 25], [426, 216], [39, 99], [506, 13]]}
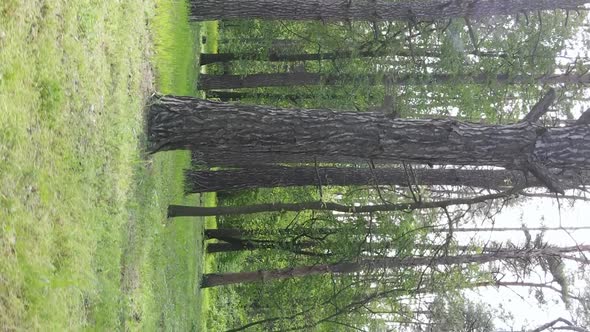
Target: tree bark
{"points": [[210, 58], [247, 244], [377, 10], [384, 263], [210, 82], [220, 132], [220, 233], [235, 95], [197, 211], [272, 177]]}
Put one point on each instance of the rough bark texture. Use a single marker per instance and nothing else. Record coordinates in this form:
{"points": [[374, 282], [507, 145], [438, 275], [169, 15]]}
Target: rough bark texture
{"points": [[209, 82], [270, 177], [220, 131], [365, 10], [384, 263]]}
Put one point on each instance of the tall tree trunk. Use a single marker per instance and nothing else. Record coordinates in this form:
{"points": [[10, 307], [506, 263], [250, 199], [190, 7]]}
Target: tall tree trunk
{"points": [[267, 135], [220, 233], [384, 263], [209, 58], [377, 10], [209, 82], [197, 211], [271, 177]]}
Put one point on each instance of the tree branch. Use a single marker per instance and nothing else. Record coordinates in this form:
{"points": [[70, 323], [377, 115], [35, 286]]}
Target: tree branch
{"points": [[541, 107], [584, 119], [570, 326], [542, 174]]}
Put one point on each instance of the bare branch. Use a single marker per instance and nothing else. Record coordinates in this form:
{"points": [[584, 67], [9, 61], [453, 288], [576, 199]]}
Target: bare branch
{"points": [[542, 174], [541, 107], [584, 119]]}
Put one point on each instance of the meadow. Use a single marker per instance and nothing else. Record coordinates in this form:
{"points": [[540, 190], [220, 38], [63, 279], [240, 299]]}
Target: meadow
{"points": [[84, 240]]}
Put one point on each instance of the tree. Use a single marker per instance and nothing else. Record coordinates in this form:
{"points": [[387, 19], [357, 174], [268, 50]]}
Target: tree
{"points": [[197, 211], [272, 56], [224, 95], [378, 10], [388, 263], [237, 233], [209, 82], [226, 134], [197, 181]]}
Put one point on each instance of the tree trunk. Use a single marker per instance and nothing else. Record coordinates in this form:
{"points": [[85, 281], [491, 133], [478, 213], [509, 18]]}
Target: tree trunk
{"points": [[235, 95], [272, 177], [209, 82], [220, 131], [226, 247], [384, 263], [197, 211], [377, 10], [247, 244], [209, 58], [223, 233]]}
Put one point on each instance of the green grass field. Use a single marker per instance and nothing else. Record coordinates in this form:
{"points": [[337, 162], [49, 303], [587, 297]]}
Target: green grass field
{"points": [[84, 242]]}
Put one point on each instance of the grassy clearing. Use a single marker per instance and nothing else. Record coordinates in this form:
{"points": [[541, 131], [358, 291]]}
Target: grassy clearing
{"points": [[73, 80], [170, 258], [84, 242]]}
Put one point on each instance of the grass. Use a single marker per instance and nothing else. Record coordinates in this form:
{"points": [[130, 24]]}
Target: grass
{"points": [[84, 243], [210, 30]]}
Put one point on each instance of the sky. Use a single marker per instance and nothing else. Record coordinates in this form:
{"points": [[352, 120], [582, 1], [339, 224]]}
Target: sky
{"points": [[536, 212]]}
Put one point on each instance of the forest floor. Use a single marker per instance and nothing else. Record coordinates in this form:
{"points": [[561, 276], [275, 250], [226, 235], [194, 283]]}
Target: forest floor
{"points": [[84, 239]]}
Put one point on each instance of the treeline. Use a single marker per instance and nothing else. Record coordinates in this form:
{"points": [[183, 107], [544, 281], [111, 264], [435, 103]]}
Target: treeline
{"points": [[347, 220]]}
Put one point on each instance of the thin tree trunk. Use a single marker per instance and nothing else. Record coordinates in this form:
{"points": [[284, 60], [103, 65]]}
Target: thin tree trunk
{"points": [[197, 211], [378, 10], [272, 177], [384, 263], [209, 82], [221, 233], [209, 58]]}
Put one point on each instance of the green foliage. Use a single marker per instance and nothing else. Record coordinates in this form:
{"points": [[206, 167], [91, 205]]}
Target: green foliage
{"points": [[527, 48], [452, 312]]}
